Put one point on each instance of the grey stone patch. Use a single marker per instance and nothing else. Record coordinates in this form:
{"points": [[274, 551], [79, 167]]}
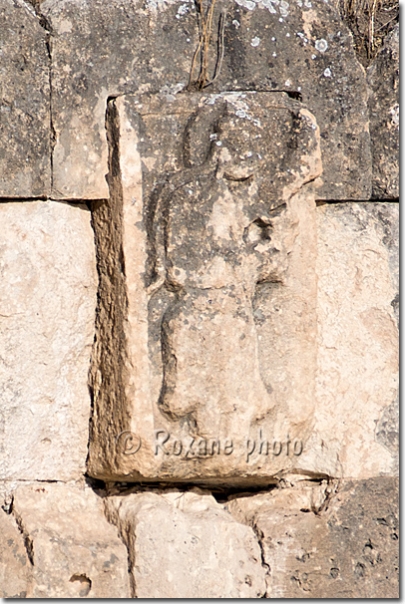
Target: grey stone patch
{"points": [[328, 541], [25, 132], [307, 52], [387, 431], [383, 82], [387, 215]]}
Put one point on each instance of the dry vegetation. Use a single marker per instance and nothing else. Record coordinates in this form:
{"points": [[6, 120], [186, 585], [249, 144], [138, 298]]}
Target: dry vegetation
{"points": [[370, 22]]}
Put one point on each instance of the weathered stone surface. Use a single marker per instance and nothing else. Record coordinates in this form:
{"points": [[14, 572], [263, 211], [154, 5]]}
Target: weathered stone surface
{"points": [[25, 134], [303, 48], [383, 80], [47, 311], [75, 552], [99, 50], [206, 211], [328, 542], [184, 545], [357, 380], [15, 566]]}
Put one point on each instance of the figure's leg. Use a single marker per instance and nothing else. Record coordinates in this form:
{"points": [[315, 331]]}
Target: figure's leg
{"points": [[211, 365]]}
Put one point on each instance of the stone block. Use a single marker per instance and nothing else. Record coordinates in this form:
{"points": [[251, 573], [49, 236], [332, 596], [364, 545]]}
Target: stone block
{"points": [[305, 49], [209, 234], [75, 552], [47, 314], [184, 545], [328, 542], [25, 120], [355, 430]]}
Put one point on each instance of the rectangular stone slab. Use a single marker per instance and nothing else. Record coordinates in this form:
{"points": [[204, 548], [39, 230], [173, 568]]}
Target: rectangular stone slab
{"points": [[25, 120], [208, 235], [47, 311], [358, 340], [165, 531]]}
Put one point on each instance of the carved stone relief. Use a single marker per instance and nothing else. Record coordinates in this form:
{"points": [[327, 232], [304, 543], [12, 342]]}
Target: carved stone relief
{"points": [[213, 196]]}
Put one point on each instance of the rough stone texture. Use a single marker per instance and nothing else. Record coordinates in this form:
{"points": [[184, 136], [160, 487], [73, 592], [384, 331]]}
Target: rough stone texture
{"points": [[244, 337], [47, 312], [74, 551], [99, 50], [25, 135], [354, 432], [14, 563], [383, 81], [330, 542], [194, 230], [184, 545], [303, 48]]}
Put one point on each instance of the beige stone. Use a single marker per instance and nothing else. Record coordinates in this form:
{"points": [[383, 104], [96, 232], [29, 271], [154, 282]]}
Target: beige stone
{"points": [[203, 224], [184, 545], [356, 426], [25, 133], [47, 313], [75, 552], [337, 540], [15, 567]]}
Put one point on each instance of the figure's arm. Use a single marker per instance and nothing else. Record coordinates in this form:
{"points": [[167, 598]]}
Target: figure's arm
{"points": [[158, 221]]}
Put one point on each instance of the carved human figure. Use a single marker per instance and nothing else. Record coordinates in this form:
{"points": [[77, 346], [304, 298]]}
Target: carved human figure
{"points": [[217, 234]]}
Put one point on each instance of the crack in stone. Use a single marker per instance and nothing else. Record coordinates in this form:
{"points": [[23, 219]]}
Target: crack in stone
{"points": [[28, 542]]}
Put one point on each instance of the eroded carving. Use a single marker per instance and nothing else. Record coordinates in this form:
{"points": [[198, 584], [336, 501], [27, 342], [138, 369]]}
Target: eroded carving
{"points": [[210, 197], [217, 231]]}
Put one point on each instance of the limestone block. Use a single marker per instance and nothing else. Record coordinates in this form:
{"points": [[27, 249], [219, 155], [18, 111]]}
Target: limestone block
{"points": [[342, 543], [383, 81], [75, 552], [25, 134], [184, 545], [209, 236], [15, 566], [47, 313], [356, 420], [101, 50]]}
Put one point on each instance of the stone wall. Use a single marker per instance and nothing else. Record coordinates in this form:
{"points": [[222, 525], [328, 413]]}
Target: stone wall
{"points": [[199, 301]]}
